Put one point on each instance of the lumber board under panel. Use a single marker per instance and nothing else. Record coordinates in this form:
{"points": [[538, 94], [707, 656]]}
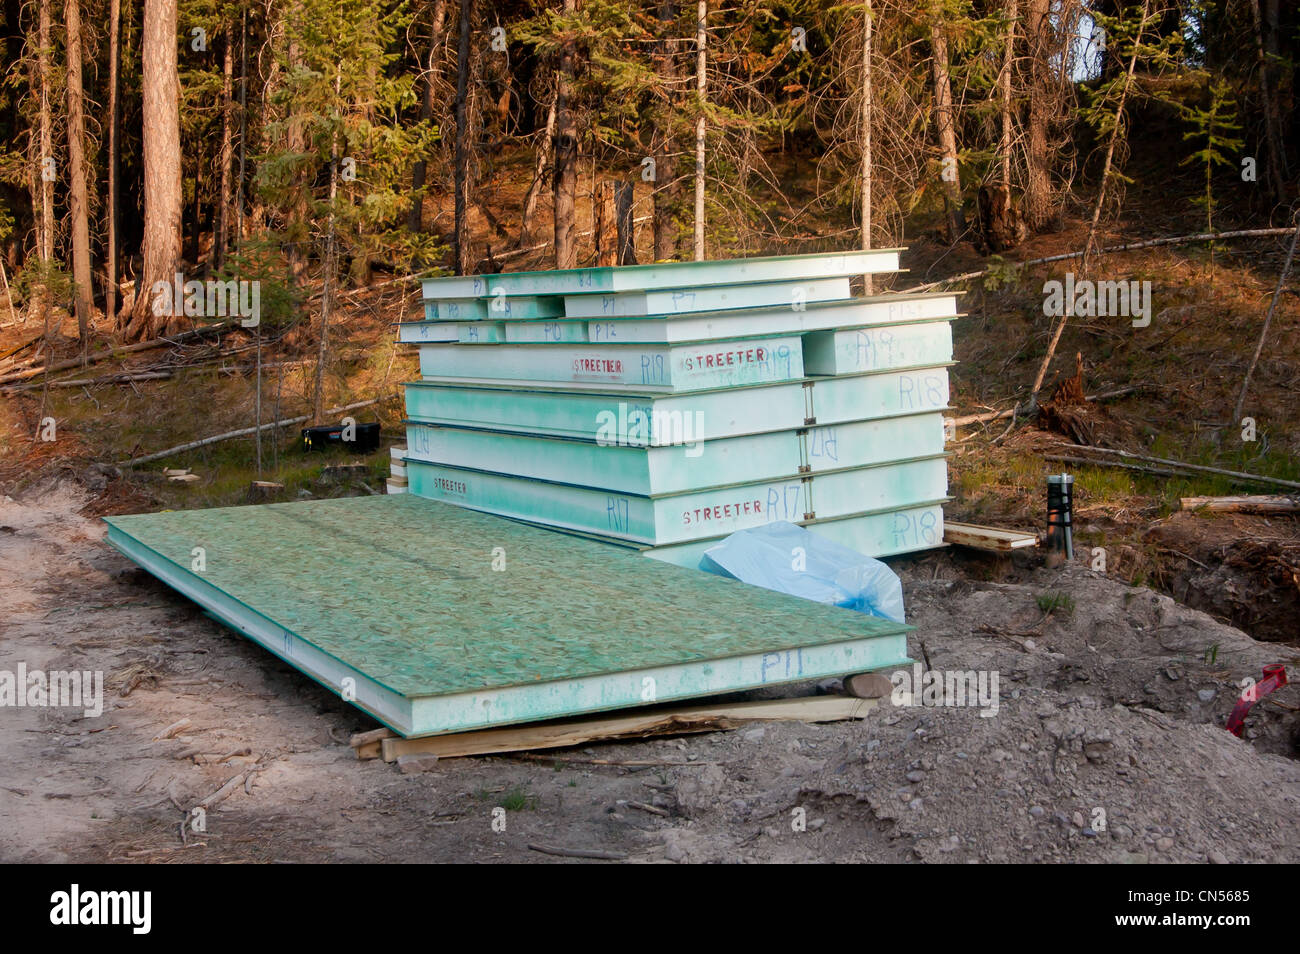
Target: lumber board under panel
{"points": [[638, 724], [987, 538]]}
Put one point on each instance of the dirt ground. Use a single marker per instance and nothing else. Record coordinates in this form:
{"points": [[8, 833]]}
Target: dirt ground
{"points": [[1107, 745]]}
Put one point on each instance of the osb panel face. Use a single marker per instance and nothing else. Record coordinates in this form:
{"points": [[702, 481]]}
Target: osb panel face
{"points": [[404, 590]]}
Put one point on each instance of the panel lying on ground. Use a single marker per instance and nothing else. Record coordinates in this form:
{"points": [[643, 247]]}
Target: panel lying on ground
{"points": [[447, 620]]}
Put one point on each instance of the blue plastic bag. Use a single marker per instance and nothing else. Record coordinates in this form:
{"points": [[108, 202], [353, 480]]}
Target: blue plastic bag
{"points": [[791, 559]]}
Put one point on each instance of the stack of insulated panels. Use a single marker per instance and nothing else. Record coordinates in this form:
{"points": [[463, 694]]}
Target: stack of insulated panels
{"points": [[665, 406]]}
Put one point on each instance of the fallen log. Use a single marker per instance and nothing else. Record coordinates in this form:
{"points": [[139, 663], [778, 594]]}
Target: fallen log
{"points": [[1063, 459], [88, 382], [1265, 504], [26, 344], [1198, 468], [105, 355], [242, 432]]}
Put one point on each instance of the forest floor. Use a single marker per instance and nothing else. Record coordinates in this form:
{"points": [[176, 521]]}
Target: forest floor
{"points": [[1117, 707]]}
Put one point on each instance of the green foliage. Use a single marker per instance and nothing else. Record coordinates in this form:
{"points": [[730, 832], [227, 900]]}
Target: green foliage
{"points": [[50, 276], [340, 148], [1001, 273], [517, 799], [1213, 126], [1051, 602], [280, 302]]}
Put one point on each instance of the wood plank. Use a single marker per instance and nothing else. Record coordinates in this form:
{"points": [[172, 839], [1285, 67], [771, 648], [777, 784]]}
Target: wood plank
{"points": [[367, 744], [994, 539], [1261, 504], [637, 724]]}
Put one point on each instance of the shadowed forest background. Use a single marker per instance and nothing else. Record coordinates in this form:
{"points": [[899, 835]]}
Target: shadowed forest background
{"points": [[311, 144]]}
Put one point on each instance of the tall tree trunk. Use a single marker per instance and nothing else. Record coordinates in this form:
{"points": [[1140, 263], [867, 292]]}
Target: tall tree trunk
{"points": [[604, 223], [78, 195], [661, 141], [243, 153], [327, 280], [864, 136], [565, 181], [429, 77], [624, 193], [47, 168], [463, 140], [545, 154], [1276, 160], [1007, 140], [226, 156], [110, 250], [162, 164], [701, 91], [296, 139], [947, 132], [258, 212], [1038, 180], [43, 167]]}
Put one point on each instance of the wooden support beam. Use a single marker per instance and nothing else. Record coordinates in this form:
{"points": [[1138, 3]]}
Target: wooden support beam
{"points": [[634, 724], [1262, 504], [987, 538]]}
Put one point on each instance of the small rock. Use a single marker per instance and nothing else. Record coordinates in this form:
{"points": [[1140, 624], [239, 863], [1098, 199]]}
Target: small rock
{"points": [[1030, 645], [1164, 843], [816, 823], [916, 776], [1218, 858], [1036, 811], [914, 804], [1205, 695], [1096, 751], [416, 762], [757, 732], [1088, 833], [1077, 819]]}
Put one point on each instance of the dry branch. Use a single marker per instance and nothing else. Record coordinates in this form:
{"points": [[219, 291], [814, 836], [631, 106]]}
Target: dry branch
{"points": [[115, 352], [1199, 468], [1263, 332], [242, 432]]}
